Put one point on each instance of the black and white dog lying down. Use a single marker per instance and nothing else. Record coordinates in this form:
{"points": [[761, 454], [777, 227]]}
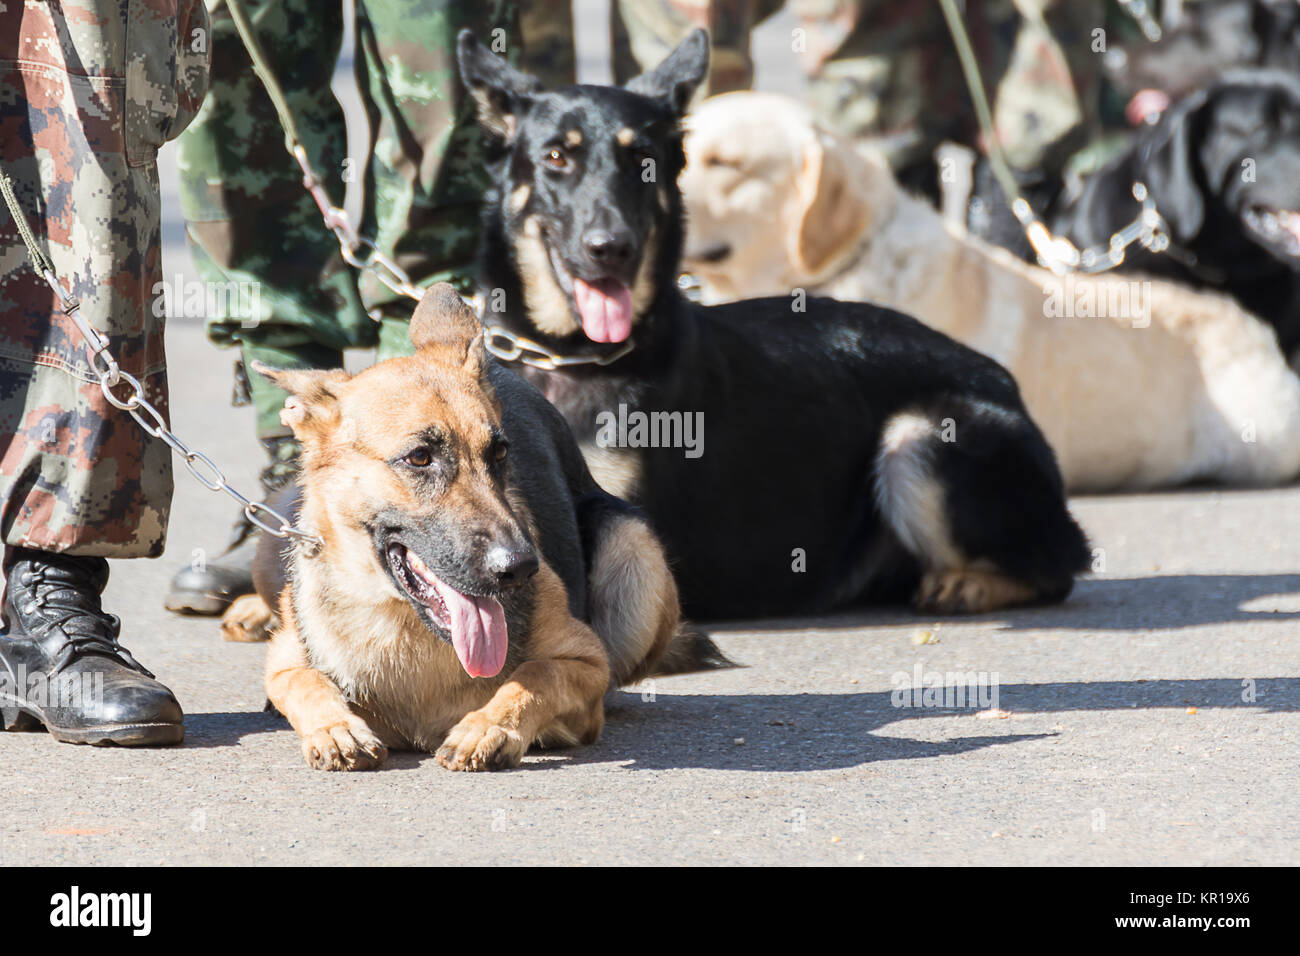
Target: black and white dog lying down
{"points": [[794, 455]]}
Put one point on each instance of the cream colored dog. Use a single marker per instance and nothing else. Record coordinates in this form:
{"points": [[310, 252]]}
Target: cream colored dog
{"points": [[1136, 383]]}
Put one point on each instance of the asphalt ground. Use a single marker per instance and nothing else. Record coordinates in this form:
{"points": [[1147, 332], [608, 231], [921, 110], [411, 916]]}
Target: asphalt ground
{"points": [[1153, 718]]}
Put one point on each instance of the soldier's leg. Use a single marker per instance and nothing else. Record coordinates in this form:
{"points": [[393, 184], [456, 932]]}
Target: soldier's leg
{"points": [[425, 177], [643, 32], [549, 51], [888, 73], [80, 480], [248, 218], [1047, 102], [250, 223]]}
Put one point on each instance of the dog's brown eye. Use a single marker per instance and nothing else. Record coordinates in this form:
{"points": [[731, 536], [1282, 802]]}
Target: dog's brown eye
{"points": [[556, 159], [499, 452], [418, 458]]}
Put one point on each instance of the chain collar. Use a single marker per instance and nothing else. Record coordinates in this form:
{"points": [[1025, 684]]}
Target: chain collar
{"points": [[1059, 254], [510, 347]]}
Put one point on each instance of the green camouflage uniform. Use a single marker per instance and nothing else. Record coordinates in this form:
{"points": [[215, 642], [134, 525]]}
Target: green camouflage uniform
{"points": [[249, 219], [887, 69], [643, 32], [89, 89], [549, 50]]}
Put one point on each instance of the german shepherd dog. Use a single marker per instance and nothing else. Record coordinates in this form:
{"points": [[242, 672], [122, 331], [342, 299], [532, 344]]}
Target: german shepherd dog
{"points": [[852, 453], [428, 620]]}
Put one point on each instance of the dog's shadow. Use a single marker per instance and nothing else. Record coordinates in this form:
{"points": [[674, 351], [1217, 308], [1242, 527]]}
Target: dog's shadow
{"points": [[790, 733], [798, 732], [1098, 604], [802, 732]]}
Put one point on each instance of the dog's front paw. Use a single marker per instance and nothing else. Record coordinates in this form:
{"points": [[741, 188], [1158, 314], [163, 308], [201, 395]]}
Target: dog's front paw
{"points": [[347, 745], [476, 743]]}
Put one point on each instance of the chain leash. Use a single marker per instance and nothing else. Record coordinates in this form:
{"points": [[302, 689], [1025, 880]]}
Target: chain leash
{"points": [[110, 375], [1056, 252]]}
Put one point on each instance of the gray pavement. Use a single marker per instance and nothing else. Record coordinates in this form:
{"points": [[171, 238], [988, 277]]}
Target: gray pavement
{"points": [[1154, 718]]}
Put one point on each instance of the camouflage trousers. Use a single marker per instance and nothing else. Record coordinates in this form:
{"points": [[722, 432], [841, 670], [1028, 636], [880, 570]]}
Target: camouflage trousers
{"points": [[643, 32], [89, 89], [887, 70], [421, 170]]}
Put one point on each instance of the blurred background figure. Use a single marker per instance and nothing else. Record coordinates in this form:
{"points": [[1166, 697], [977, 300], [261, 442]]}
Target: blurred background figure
{"points": [[886, 71], [1199, 40]]}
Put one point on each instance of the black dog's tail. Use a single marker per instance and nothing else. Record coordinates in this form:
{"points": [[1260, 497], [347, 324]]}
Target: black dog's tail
{"points": [[689, 651]]}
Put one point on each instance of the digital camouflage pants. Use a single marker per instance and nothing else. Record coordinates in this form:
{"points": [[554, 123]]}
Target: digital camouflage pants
{"points": [[89, 89]]}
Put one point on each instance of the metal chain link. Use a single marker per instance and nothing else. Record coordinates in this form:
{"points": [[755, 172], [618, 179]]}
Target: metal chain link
{"points": [[110, 375], [1060, 254], [517, 347], [1140, 11]]}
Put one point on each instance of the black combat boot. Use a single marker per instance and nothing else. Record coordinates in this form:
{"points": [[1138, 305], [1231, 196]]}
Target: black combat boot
{"points": [[61, 664], [208, 589]]}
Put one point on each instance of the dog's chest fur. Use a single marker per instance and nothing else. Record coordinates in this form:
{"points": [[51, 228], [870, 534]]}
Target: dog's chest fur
{"points": [[384, 659], [618, 470]]}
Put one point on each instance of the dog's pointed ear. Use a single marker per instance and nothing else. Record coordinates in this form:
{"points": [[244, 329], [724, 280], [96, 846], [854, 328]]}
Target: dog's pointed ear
{"points": [[445, 328], [676, 79], [1170, 172], [313, 394], [832, 207], [500, 91]]}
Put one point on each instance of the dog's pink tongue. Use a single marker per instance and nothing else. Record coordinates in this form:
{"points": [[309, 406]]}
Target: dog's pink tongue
{"points": [[478, 631], [606, 309]]}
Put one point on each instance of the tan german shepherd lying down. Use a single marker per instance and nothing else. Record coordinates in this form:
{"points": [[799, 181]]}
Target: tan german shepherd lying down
{"points": [[428, 619]]}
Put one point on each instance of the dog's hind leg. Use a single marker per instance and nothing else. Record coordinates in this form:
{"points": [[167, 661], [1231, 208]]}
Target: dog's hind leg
{"points": [[972, 491], [632, 598], [334, 735]]}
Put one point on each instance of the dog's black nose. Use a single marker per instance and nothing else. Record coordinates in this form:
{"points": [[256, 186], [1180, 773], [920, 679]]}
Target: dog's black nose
{"points": [[511, 567], [610, 248]]}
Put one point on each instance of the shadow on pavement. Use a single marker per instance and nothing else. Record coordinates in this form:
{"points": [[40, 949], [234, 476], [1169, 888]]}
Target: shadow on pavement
{"points": [[1110, 604], [788, 733], [225, 729]]}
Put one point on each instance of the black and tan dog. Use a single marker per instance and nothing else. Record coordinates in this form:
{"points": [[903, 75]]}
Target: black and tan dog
{"points": [[843, 452], [428, 619]]}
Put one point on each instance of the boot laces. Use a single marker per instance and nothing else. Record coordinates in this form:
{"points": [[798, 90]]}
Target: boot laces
{"points": [[89, 630]]}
